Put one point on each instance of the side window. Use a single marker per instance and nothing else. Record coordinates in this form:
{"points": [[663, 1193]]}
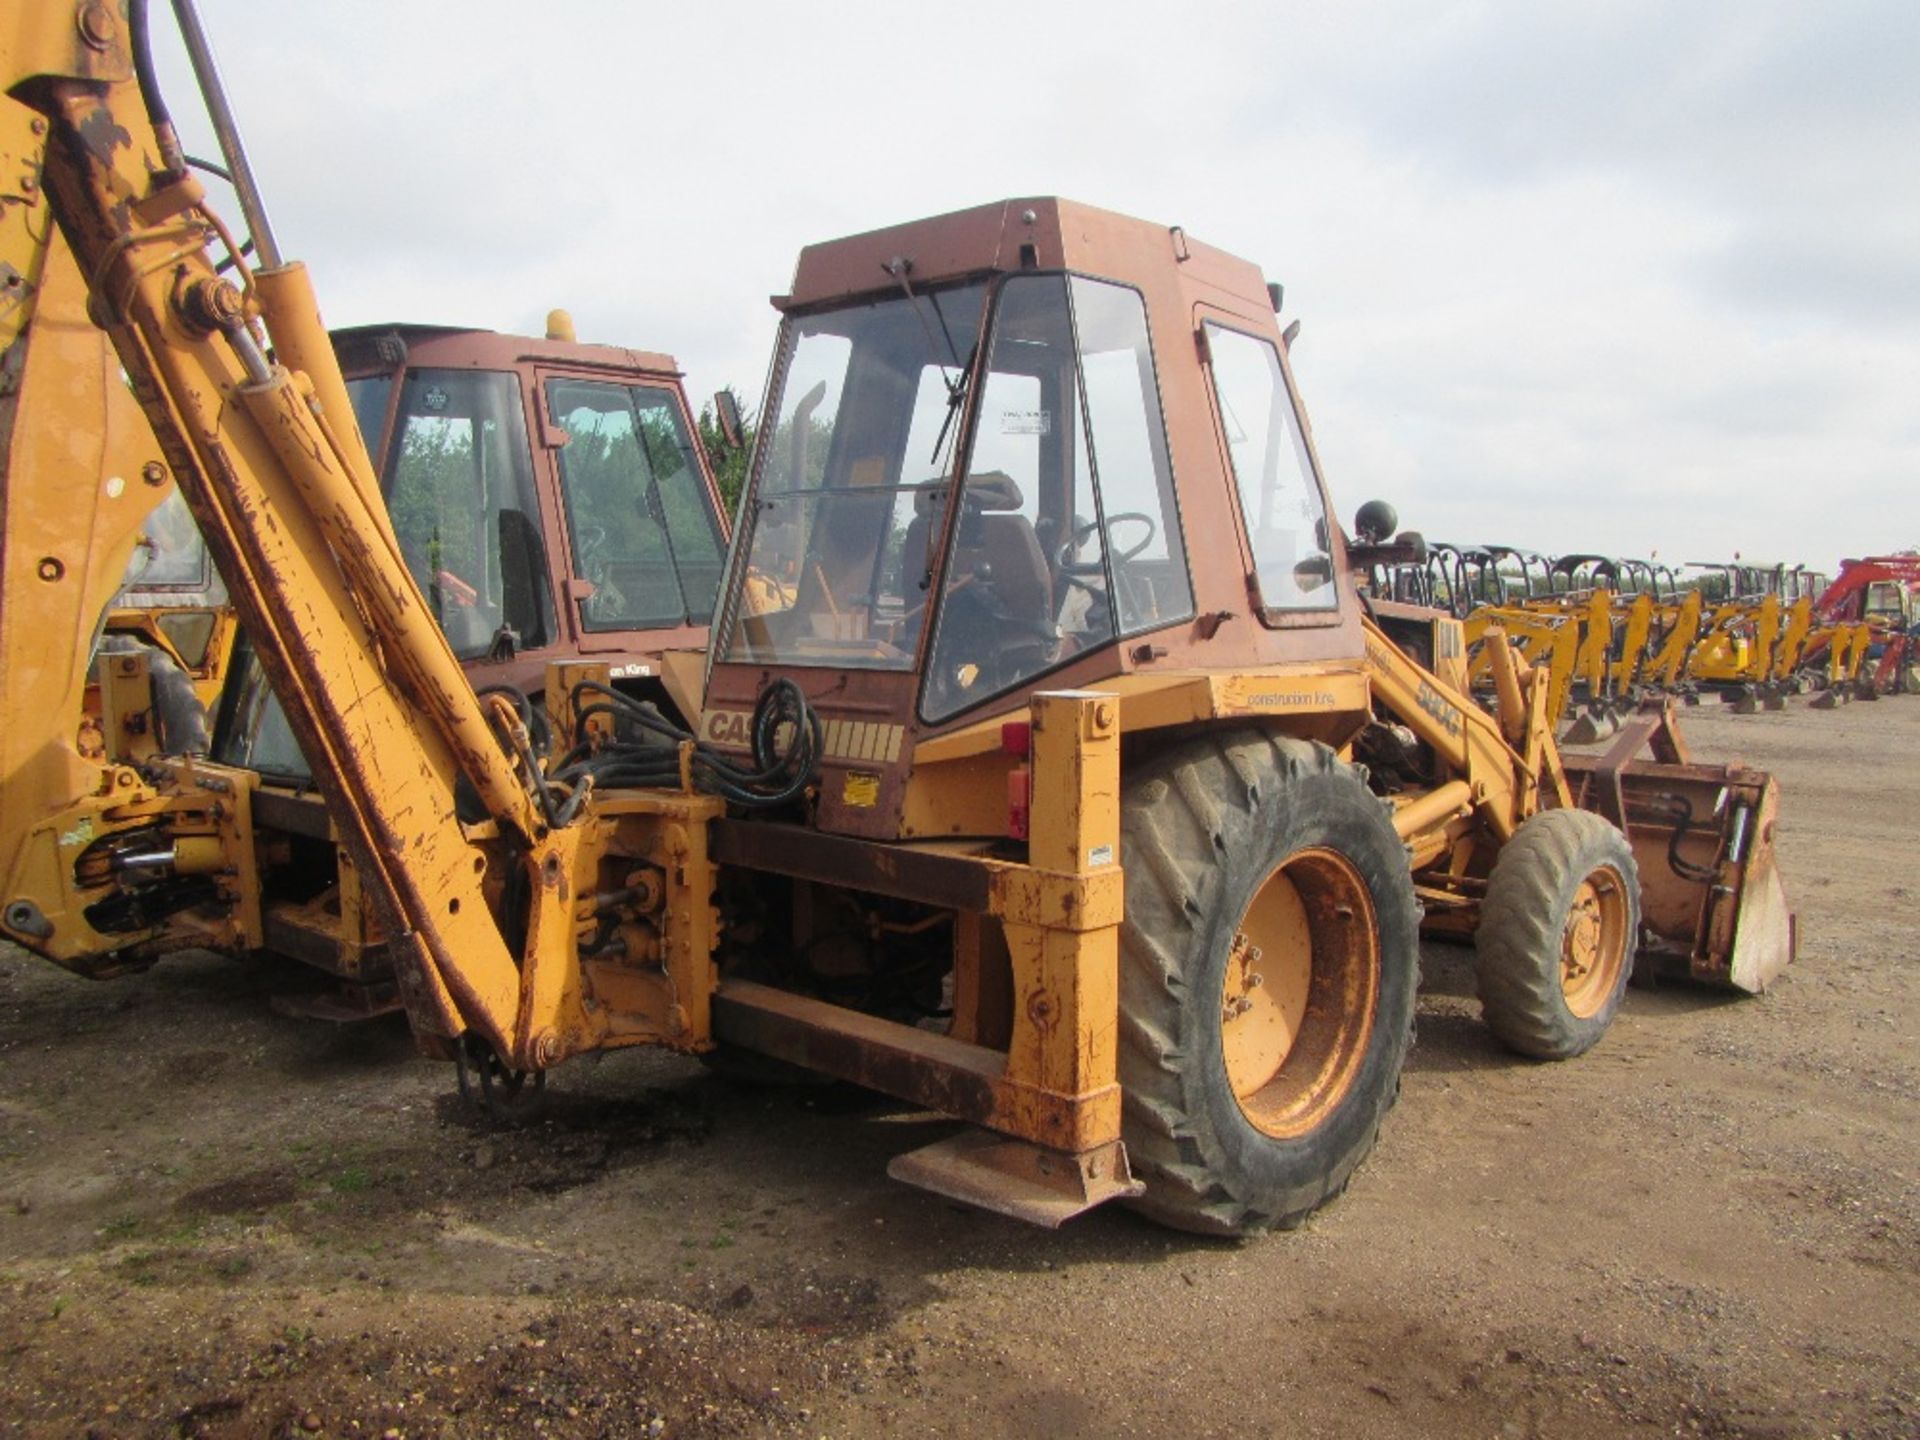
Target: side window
{"points": [[643, 528], [684, 502], [460, 489], [1279, 497], [1127, 437], [170, 554]]}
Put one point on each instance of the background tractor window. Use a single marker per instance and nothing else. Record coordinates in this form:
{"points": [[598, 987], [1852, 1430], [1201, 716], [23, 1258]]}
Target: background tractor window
{"points": [[1280, 499], [461, 493], [369, 395], [643, 525]]}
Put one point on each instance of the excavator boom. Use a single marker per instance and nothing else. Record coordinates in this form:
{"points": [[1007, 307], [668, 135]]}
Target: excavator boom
{"points": [[280, 487]]}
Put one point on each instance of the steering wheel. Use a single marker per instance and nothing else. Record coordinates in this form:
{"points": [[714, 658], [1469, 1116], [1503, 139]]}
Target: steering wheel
{"points": [[1082, 533]]}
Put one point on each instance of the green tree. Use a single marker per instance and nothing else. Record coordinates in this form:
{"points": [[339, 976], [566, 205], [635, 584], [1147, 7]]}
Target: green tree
{"points": [[729, 464]]}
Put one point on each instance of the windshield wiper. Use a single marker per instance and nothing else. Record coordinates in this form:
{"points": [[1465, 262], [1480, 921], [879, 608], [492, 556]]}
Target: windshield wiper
{"points": [[956, 397], [900, 268]]}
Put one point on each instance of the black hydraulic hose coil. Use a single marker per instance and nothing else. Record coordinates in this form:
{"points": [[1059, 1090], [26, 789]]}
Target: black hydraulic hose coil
{"points": [[645, 749]]}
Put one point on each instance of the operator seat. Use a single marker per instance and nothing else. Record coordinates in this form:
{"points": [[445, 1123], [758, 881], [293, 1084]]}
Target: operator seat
{"points": [[997, 548]]}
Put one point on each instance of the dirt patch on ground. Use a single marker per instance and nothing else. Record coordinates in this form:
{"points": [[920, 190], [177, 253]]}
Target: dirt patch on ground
{"points": [[218, 1221]]}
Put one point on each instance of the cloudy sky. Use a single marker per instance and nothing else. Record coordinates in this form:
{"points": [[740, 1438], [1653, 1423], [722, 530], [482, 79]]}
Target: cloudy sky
{"points": [[1627, 277]]}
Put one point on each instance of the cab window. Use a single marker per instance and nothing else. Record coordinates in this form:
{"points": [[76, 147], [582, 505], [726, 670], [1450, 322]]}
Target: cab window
{"points": [[1280, 499], [460, 490], [1067, 534], [644, 530]]}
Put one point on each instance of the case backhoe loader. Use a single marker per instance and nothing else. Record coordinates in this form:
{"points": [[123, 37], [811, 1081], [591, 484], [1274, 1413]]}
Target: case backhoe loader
{"points": [[1051, 769]]}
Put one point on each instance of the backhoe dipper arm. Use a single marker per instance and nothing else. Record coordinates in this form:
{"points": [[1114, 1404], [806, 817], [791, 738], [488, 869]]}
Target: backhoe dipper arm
{"points": [[283, 493]]}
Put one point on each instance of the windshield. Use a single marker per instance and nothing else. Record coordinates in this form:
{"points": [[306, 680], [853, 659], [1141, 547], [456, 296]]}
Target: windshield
{"points": [[861, 431], [1068, 534], [644, 532]]}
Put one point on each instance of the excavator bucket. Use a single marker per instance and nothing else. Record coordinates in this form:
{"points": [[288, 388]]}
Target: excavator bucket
{"points": [[1596, 722], [1713, 909]]}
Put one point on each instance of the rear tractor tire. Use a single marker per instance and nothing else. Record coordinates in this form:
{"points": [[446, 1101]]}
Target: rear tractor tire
{"points": [[1557, 935], [1268, 963]]}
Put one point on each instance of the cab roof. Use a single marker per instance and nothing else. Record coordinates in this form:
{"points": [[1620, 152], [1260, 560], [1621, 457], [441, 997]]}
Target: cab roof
{"points": [[1038, 232]]}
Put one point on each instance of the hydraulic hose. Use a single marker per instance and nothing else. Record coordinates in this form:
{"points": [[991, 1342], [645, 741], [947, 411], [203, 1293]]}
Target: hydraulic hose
{"points": [[648, 754], [144, 74], [645, 750], [1680, 812]]}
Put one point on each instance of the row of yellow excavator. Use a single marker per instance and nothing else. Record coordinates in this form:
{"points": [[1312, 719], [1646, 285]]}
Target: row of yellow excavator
{"points": [[1610, 633]]}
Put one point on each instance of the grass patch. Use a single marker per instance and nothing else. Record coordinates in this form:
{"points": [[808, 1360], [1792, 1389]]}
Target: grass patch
{"points": [[142, 1267]]}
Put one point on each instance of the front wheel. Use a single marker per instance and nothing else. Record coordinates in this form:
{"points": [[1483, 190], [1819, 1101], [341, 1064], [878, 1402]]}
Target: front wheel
{"points": [[1557, 933], [1268, 964]]}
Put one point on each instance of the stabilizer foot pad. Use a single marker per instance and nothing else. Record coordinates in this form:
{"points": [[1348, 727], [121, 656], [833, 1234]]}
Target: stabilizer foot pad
{"points": [[1018, 1178]]}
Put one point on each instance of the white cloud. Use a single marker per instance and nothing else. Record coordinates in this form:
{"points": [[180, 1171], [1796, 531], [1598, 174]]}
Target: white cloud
{"points": [[1617, 277]]}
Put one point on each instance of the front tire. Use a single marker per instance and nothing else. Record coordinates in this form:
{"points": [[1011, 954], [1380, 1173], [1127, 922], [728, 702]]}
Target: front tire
{"points": [[1557, 933], [1268, 964]]}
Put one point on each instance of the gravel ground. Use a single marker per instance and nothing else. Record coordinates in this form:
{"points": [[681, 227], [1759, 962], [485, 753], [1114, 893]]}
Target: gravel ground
{"points": [[218, 1221]]}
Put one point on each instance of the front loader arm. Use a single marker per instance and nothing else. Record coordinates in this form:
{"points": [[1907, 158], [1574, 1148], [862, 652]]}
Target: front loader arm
{"points": [[282, 491], [1498, 770]]}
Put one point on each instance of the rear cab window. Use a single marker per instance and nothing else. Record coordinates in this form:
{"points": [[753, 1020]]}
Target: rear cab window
{"points": [[1281, 502]]}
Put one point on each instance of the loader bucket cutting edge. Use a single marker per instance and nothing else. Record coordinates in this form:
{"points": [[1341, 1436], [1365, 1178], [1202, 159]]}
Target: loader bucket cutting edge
{"points": [[1764, 936], [1713, 908]]}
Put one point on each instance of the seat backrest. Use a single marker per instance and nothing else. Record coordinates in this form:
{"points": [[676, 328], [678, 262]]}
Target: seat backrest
{"points": [[1021, 581]]}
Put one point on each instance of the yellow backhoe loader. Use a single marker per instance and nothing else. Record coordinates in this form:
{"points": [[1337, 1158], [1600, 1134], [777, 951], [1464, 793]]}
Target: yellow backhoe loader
{"points": [[1049, 768]]}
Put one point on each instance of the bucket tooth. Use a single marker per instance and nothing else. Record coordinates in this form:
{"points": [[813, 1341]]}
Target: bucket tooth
{"points": [[1017, 1177], [1747, 702]]}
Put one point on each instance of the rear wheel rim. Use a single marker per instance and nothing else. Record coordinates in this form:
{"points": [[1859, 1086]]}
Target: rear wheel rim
{"points": [[1593, 942], [1298, 997]]}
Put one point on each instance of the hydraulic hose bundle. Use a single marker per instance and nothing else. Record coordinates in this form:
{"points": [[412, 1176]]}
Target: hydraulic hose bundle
{"points": [[645, 751]]}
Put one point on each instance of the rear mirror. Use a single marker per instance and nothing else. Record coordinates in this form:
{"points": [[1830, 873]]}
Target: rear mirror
{"points": [[1375, 521], [1313, 572], [726, 410]]}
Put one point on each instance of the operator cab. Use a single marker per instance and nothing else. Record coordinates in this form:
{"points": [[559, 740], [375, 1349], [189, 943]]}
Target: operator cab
{"points": [[967, 486]]}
